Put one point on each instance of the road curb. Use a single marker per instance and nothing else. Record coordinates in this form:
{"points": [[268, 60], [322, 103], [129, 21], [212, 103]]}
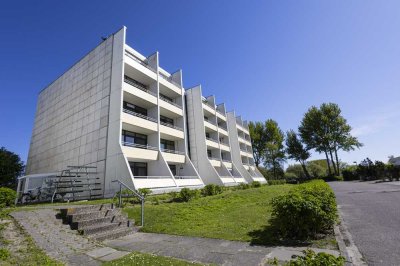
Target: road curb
{"points": [[347, 247]]}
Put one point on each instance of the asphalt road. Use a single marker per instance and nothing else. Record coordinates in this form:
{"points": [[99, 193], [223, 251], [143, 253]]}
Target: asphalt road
{"points": [[371, 212]]}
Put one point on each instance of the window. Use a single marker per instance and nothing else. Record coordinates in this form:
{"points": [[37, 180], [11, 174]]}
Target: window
{"points": [[135, 108], [223, 156], [167, 144], [207, 135], [172, 168], [167, 120], [209, 154], [139, 170], [206, 118], [134, 138]]}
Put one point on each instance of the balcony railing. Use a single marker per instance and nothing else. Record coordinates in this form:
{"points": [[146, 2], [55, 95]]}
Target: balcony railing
{"points": [[140, 115], [140, 146], [208, 104], [152, 177], [138, 85], [169, 78], [214, 158], [243, 149], [226, 160], [186, 177], [213, 140], [170, 102], [140, 61], [221, 112], [171, 126], [223, 127], [209, 121], [173, 151]]}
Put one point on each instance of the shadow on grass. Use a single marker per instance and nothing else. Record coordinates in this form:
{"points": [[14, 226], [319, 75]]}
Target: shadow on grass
{"points": [[269, 236]]}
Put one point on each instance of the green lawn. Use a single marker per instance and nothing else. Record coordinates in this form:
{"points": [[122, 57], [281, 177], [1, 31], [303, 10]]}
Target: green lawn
{"points": [[234, 215], [141, 259]]}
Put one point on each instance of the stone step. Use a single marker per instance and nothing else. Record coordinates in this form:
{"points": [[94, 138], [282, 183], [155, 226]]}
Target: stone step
{"points": [[100, 228], [86, 208], [92, 215], [112, 234], [83, 224]]}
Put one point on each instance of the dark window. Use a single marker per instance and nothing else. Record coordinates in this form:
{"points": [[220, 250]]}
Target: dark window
{"points": [[173, 168], [206, 118], [138, 169], [209, 153], [167, 144], [134, 138], [207, 135], [167, 120], [135, 108], [223, 156]]}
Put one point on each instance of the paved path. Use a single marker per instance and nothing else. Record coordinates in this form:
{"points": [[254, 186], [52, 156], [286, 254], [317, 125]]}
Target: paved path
{"points": [[62, 243], [205, 250], [371, 213]]}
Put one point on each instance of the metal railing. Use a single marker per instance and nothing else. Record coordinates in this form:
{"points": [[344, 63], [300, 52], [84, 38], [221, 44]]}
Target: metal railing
{"points": [[140, 146], [243, 149], [170, 102], [169, 78], [139, 115], [186, 177], [214, 158], [138, 85], [223, 114], [137, 194], [151, 177], [171, 126], [213, 140], [223, 127], [226, 160], [173, 151], [208, 104], [209, 121], [140, 61]]}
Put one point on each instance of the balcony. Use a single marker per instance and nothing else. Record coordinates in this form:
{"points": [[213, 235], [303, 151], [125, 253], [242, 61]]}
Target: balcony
{"points": [[185, 181], [170, 131], [134, 151], [210, 125], [227, 179], [173, 156], [208, 107], [153, 181], [212, 143], [173, 109], [166, 82], [138, 123], [224, 146], [140, 65], [221, 115], [139, 90], [227, 163], [216, 162]]}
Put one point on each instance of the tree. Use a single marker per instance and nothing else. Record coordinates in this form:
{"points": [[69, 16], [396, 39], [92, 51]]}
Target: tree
{"points": [[11, 167], [326, 130], [274, 154], [296, 150], [258, 140]]}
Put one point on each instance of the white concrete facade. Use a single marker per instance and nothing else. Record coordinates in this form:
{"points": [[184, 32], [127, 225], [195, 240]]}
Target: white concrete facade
{"points": [[121, 112], [242, 152]]}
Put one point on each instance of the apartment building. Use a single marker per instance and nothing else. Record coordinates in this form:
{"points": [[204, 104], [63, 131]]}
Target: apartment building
{"points": [[120, 112], [209, 143], [242, 152]]}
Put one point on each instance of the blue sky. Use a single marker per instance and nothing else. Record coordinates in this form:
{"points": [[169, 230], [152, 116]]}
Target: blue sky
{"points": [[265, 59]]}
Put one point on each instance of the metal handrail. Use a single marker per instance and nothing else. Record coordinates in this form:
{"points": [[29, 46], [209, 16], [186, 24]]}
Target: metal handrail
{"points": [[140, 61], [173, 151], [168, 79], [207, 103], [137, 194], [138, 85], [186, 177], [171, 126], [223, 127], [226, 160], [150, 177], [139, 115], [210, 139], [209, 121], [140, 146], [214, 158], [220, 112], [170, 102]]}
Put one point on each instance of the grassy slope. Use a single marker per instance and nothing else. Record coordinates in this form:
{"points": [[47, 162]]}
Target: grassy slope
{"points": [[233, 215]]}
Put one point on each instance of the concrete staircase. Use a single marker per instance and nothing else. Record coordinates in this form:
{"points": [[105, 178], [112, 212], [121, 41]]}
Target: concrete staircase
{"points": [[98, 222]]}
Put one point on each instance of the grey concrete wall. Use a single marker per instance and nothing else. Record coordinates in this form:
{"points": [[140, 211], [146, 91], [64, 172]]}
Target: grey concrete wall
{"points": [[71, 119]]}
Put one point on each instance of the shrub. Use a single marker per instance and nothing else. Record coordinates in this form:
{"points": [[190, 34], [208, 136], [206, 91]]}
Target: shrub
{"points": [[333, 178], [211, 189], [350, 174], [7, 197], [4, 254], [255, 184], [188, 194], [174, 195], [311, 258], [276, 182], [144, 191], [243, 186], [307, 210]]}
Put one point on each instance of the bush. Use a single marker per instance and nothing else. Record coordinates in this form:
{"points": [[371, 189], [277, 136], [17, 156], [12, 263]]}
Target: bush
{"points": [[188, 194], [350, 174], [144, 191], [4, 254], [243, 186], [7, 197], [211, 189], [276, 182], [333, 178], [311, 258], [307, 210], [255, 184]]}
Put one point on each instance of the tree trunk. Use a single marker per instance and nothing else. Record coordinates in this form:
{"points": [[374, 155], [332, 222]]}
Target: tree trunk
{"points": [[333, 162], [337, 162], [303, 165], [327, 161]]}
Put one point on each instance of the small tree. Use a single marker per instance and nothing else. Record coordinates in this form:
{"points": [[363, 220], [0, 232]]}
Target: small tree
{"points": [[274, 149], [296, 150], [258, 140], [11, 167]]}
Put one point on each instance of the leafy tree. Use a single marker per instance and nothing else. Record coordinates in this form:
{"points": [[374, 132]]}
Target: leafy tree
{"points": [[326, 130], [296, 170], [258, 140], [11, 167], [274, 149], [296, 150], [317, 169]]}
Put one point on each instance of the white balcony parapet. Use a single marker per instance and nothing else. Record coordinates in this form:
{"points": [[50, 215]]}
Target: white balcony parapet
{"points": [[168, 79], [170, 102], [173, 151], [152, 177], [211, 139], [140, 146], [140, 61], [186, 177], [139, 115], [138, 85]]}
